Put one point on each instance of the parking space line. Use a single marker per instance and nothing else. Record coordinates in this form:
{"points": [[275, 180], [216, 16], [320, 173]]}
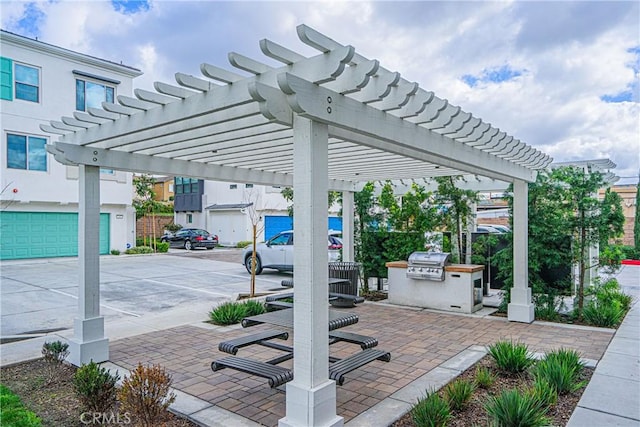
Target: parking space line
{"points": [[244, 277], [186, 287], [101, 305]]}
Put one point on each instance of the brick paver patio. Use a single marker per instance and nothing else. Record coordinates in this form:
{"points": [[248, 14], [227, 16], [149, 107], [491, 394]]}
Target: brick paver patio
{"points": [[418, 340]]}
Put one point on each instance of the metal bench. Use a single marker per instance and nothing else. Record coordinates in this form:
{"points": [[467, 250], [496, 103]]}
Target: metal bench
{"points": [[335, 299], [364, 341], [278, 305], [233, 345], [344, 300], [276, 375], [278, 297], [339, 369]]}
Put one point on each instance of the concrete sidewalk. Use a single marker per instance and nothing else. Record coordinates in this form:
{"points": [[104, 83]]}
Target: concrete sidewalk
{"points": [[612, 397]]}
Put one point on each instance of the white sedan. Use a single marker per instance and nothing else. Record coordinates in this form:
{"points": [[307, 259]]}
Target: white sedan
{"points": [[277, 252]]}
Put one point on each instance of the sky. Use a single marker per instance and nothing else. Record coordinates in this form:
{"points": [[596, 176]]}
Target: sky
{"points": [[561, 76]]}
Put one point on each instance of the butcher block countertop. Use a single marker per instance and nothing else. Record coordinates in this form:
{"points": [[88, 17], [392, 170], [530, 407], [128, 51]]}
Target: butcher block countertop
{"points": [[456, 268]]}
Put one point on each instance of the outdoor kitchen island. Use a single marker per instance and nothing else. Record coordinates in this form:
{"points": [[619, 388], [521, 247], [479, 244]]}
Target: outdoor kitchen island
{"points": [[460, 291]]}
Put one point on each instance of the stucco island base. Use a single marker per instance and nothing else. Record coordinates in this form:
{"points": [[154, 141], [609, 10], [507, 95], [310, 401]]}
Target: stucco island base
{"points": [[461, 290]]}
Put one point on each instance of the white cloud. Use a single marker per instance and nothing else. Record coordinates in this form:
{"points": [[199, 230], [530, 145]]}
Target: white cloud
{"points": [[570, 54]]}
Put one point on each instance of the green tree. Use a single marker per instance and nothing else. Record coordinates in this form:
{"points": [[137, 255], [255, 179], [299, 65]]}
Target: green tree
{"points": [[367, 222], [409, 217], [144, 203], [456, 204], [565, 219], [611, 217], [591, 221]]}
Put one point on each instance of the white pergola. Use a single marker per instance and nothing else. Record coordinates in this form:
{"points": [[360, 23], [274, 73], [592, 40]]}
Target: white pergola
{"points": [[326, 122]]}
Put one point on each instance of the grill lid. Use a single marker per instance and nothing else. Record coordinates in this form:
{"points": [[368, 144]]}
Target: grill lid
{"points": [[432, 259]]}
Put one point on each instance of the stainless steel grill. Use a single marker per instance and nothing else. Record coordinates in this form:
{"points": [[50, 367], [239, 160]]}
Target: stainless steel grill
{"points": [[428, 265]]}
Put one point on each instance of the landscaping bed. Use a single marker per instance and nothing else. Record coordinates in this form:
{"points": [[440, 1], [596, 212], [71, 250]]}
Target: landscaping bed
{"points": [[474, 412], [56, 402]]}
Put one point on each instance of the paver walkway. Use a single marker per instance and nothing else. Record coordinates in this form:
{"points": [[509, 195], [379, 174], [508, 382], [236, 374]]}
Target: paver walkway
{"points": [[419, 341]]}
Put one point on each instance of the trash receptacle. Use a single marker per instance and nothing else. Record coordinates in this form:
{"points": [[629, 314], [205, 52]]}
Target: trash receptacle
{"points": [[346, 270]]}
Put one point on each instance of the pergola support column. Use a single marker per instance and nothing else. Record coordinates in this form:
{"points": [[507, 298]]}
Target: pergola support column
{"points": [[348, 252], [88, 342], [311, 396], [521, 308]]}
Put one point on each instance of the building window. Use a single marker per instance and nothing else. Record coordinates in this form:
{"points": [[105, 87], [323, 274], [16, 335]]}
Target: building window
{"points": [[189, 218], [233, 186], [27, 83], [19, 81], [248, 186], [186, 185], [92, 95], [26, 152], [171, 187], [108, 171]]}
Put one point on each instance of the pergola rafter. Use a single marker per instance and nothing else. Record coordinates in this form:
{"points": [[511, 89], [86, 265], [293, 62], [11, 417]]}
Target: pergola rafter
{"points": [[330, 121], [191, 120]]}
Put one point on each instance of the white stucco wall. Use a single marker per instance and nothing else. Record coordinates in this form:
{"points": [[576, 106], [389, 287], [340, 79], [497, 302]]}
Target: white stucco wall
{"points": [[56, 189]]}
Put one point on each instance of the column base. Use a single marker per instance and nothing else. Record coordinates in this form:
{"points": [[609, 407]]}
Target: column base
{"points": [[311, 407], [88, 342], [81, 353], [524, 313]]}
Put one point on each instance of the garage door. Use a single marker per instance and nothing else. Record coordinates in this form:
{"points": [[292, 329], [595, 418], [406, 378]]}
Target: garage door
{"points": [[44, 234]]}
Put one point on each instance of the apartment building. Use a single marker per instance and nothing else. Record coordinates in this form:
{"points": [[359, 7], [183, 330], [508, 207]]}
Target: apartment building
{"points": [[39, 200], [229, 209]]}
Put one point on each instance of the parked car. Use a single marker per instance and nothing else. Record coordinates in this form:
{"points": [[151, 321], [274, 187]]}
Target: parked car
{"points": [[190, 238], [277, 252], [492, 228], [501, 228]]}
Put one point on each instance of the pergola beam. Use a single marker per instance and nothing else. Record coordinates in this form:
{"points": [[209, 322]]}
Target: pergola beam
{"points": [[346, 113]]}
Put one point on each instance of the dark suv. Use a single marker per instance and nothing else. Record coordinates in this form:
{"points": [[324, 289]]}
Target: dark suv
{"points": [[190, 238]]}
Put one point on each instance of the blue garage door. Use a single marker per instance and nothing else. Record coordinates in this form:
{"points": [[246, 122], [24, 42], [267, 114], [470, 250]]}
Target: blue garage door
{"points": [[275, 224], [44, 234]]}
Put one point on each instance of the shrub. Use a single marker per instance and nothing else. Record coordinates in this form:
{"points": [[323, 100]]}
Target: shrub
{"points": [[139, 250], [243, 243], [512, 408], [543, 392], [146, 394], [173, 227], [602, 315], [567, 356], [458, 393], [610, 293], [95, 387], [547, 305], [484, 378], [631, 252], [13, 413], [228, 313], [162, 247], [511, 357], [431, 411], [560, 370], [115, 252], [253, 308], [54, 354]]}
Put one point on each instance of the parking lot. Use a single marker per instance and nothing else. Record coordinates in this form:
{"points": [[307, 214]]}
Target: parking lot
{"points": [[40, 295]]}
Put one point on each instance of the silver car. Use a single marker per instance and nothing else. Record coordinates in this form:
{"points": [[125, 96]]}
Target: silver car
{"points": [[277, 252]]}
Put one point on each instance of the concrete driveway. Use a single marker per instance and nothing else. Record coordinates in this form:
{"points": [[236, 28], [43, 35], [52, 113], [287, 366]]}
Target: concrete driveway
{"points": [[40, 295]]}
